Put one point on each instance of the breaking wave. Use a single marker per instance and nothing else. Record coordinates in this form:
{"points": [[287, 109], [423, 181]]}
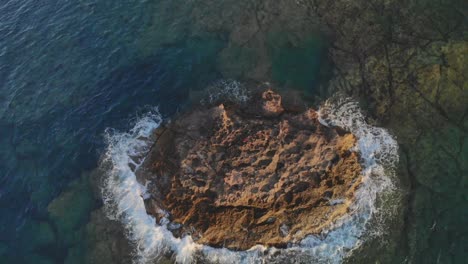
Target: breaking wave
{"points": [[124, 197], [226, 90]]}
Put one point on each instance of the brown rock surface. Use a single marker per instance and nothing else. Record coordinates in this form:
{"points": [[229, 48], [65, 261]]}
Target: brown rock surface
{"points": [[236, 176]]}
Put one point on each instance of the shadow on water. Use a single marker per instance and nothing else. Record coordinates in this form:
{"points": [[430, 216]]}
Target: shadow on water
{"points": [[60, 146]]}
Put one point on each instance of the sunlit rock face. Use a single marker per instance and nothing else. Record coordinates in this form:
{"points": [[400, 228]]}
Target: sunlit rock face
{"points": [[240, 174]]}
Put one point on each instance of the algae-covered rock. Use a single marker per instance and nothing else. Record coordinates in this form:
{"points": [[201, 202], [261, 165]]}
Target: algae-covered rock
{"points": [[244, 58], [36, 259], [297, 65], [89, 236], [3, 250], [105, 241], [70, 210], [406, 61], [245, 28], [36, 235]]}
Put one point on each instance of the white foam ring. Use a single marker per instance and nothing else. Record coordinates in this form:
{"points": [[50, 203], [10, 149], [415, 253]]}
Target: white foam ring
{"points": [[124, 197]]}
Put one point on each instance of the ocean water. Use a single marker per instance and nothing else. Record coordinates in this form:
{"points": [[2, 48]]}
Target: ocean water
{"points": [[68, 71], [83, 83]]}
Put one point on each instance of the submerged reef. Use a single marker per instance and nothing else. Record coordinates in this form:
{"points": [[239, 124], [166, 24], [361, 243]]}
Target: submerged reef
{"points": [[260, 172], [403, 60]]}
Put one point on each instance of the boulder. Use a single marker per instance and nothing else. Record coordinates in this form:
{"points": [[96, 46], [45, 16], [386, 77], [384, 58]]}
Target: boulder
{"points": [[234, 175]]}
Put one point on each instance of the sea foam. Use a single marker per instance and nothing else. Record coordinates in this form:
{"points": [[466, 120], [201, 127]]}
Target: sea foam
{"points": [[124, 197]]}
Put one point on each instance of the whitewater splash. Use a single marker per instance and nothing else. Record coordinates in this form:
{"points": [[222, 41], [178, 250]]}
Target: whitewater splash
{"points": [[124, 197]]}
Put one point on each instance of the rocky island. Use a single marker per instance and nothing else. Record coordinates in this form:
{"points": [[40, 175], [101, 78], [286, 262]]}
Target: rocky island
{"points": [[263, 172]]}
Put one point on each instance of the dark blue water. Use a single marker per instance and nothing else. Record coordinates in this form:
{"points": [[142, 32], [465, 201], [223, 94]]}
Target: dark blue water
{"points": [[69, 70]]}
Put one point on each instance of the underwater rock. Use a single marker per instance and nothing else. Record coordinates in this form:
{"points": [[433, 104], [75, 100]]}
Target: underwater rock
{"points": [[70, 210], [106, 240], [238, 175], [257, 36], [42, 235]]}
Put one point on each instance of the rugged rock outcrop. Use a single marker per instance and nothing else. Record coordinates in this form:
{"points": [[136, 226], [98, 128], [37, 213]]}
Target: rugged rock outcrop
{"points": [[237, 175]]}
